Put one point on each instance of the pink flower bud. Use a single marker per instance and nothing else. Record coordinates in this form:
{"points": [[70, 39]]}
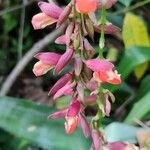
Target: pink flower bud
{"points": [[61, 40], [69, 32], [74, 109], [48, 57], [72, 118], [97, 145], [64, 15], [60, 83], [50, 9], [58, 114], [64, 60], [78, 65], [108, 4], [86, 7], [89, 27], [108, 29], [65, 90], [88, 47], [107, 107], [41, 20], [40, 68], [84, 125]]}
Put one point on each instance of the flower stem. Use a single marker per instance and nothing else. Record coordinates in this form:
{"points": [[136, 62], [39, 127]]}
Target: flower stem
{"points": [[102, 37]]}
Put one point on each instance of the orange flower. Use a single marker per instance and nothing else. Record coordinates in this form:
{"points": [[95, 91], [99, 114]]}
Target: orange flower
{"points": [[86, 6], [104, 71]]}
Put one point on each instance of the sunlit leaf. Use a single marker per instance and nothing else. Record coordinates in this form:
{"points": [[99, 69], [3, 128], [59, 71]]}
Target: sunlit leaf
{"points": [[135, 33]]}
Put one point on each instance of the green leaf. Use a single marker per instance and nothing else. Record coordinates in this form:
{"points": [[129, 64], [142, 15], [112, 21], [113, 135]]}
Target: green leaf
{"points": [[139, 110], [125, 133], [28, 120], [133, 57], [144, 88], [126, 2], [135, 33], [142, 105]]}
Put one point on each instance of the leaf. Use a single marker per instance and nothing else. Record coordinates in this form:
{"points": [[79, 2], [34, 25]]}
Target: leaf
{"points": [[135, 33], [142, 91], [28, 120], [126, 2], [133, 57], [126, 133], [139, 110]]}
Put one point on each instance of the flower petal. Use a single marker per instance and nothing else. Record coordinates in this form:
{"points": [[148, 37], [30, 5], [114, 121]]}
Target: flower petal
{"points": [[71, 124], [50, 9], [97, 145], [58, 114], [60, 83], [40, 68], [41, 20], [63, 91], [74, 109], [84, 125], [64, 60], [99, 65], [64, 15], [48, 57], [86, 7], [61, 40]]}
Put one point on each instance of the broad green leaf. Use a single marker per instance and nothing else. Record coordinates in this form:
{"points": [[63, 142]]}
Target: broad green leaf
{"points": [[126, 2], [135, 33], [142, 91], [28, 120], [133, 57], [139, 110], [144, 88], [125, 133]]}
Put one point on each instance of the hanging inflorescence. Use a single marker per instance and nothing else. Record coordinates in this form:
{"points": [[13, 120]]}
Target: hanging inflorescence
{"points": [[84, 82]]}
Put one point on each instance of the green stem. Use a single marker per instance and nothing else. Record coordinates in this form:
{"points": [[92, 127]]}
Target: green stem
{"points": [[102, 37]]}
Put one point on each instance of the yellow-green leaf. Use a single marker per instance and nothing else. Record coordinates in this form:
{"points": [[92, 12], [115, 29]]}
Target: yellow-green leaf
{"points": [[135, 33]]}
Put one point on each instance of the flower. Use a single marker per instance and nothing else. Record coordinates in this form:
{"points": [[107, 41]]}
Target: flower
{"points": [[50, 14], [47, 61], [86, 6], [71, 115], [103, 71], [97, 143]]}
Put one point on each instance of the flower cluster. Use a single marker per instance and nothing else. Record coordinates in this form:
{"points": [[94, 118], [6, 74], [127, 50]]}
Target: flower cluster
{"points": [[84, 82]]}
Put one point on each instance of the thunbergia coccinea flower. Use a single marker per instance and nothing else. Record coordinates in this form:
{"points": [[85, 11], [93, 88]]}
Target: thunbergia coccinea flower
{"points": [[86, 6], [103, 71]]}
